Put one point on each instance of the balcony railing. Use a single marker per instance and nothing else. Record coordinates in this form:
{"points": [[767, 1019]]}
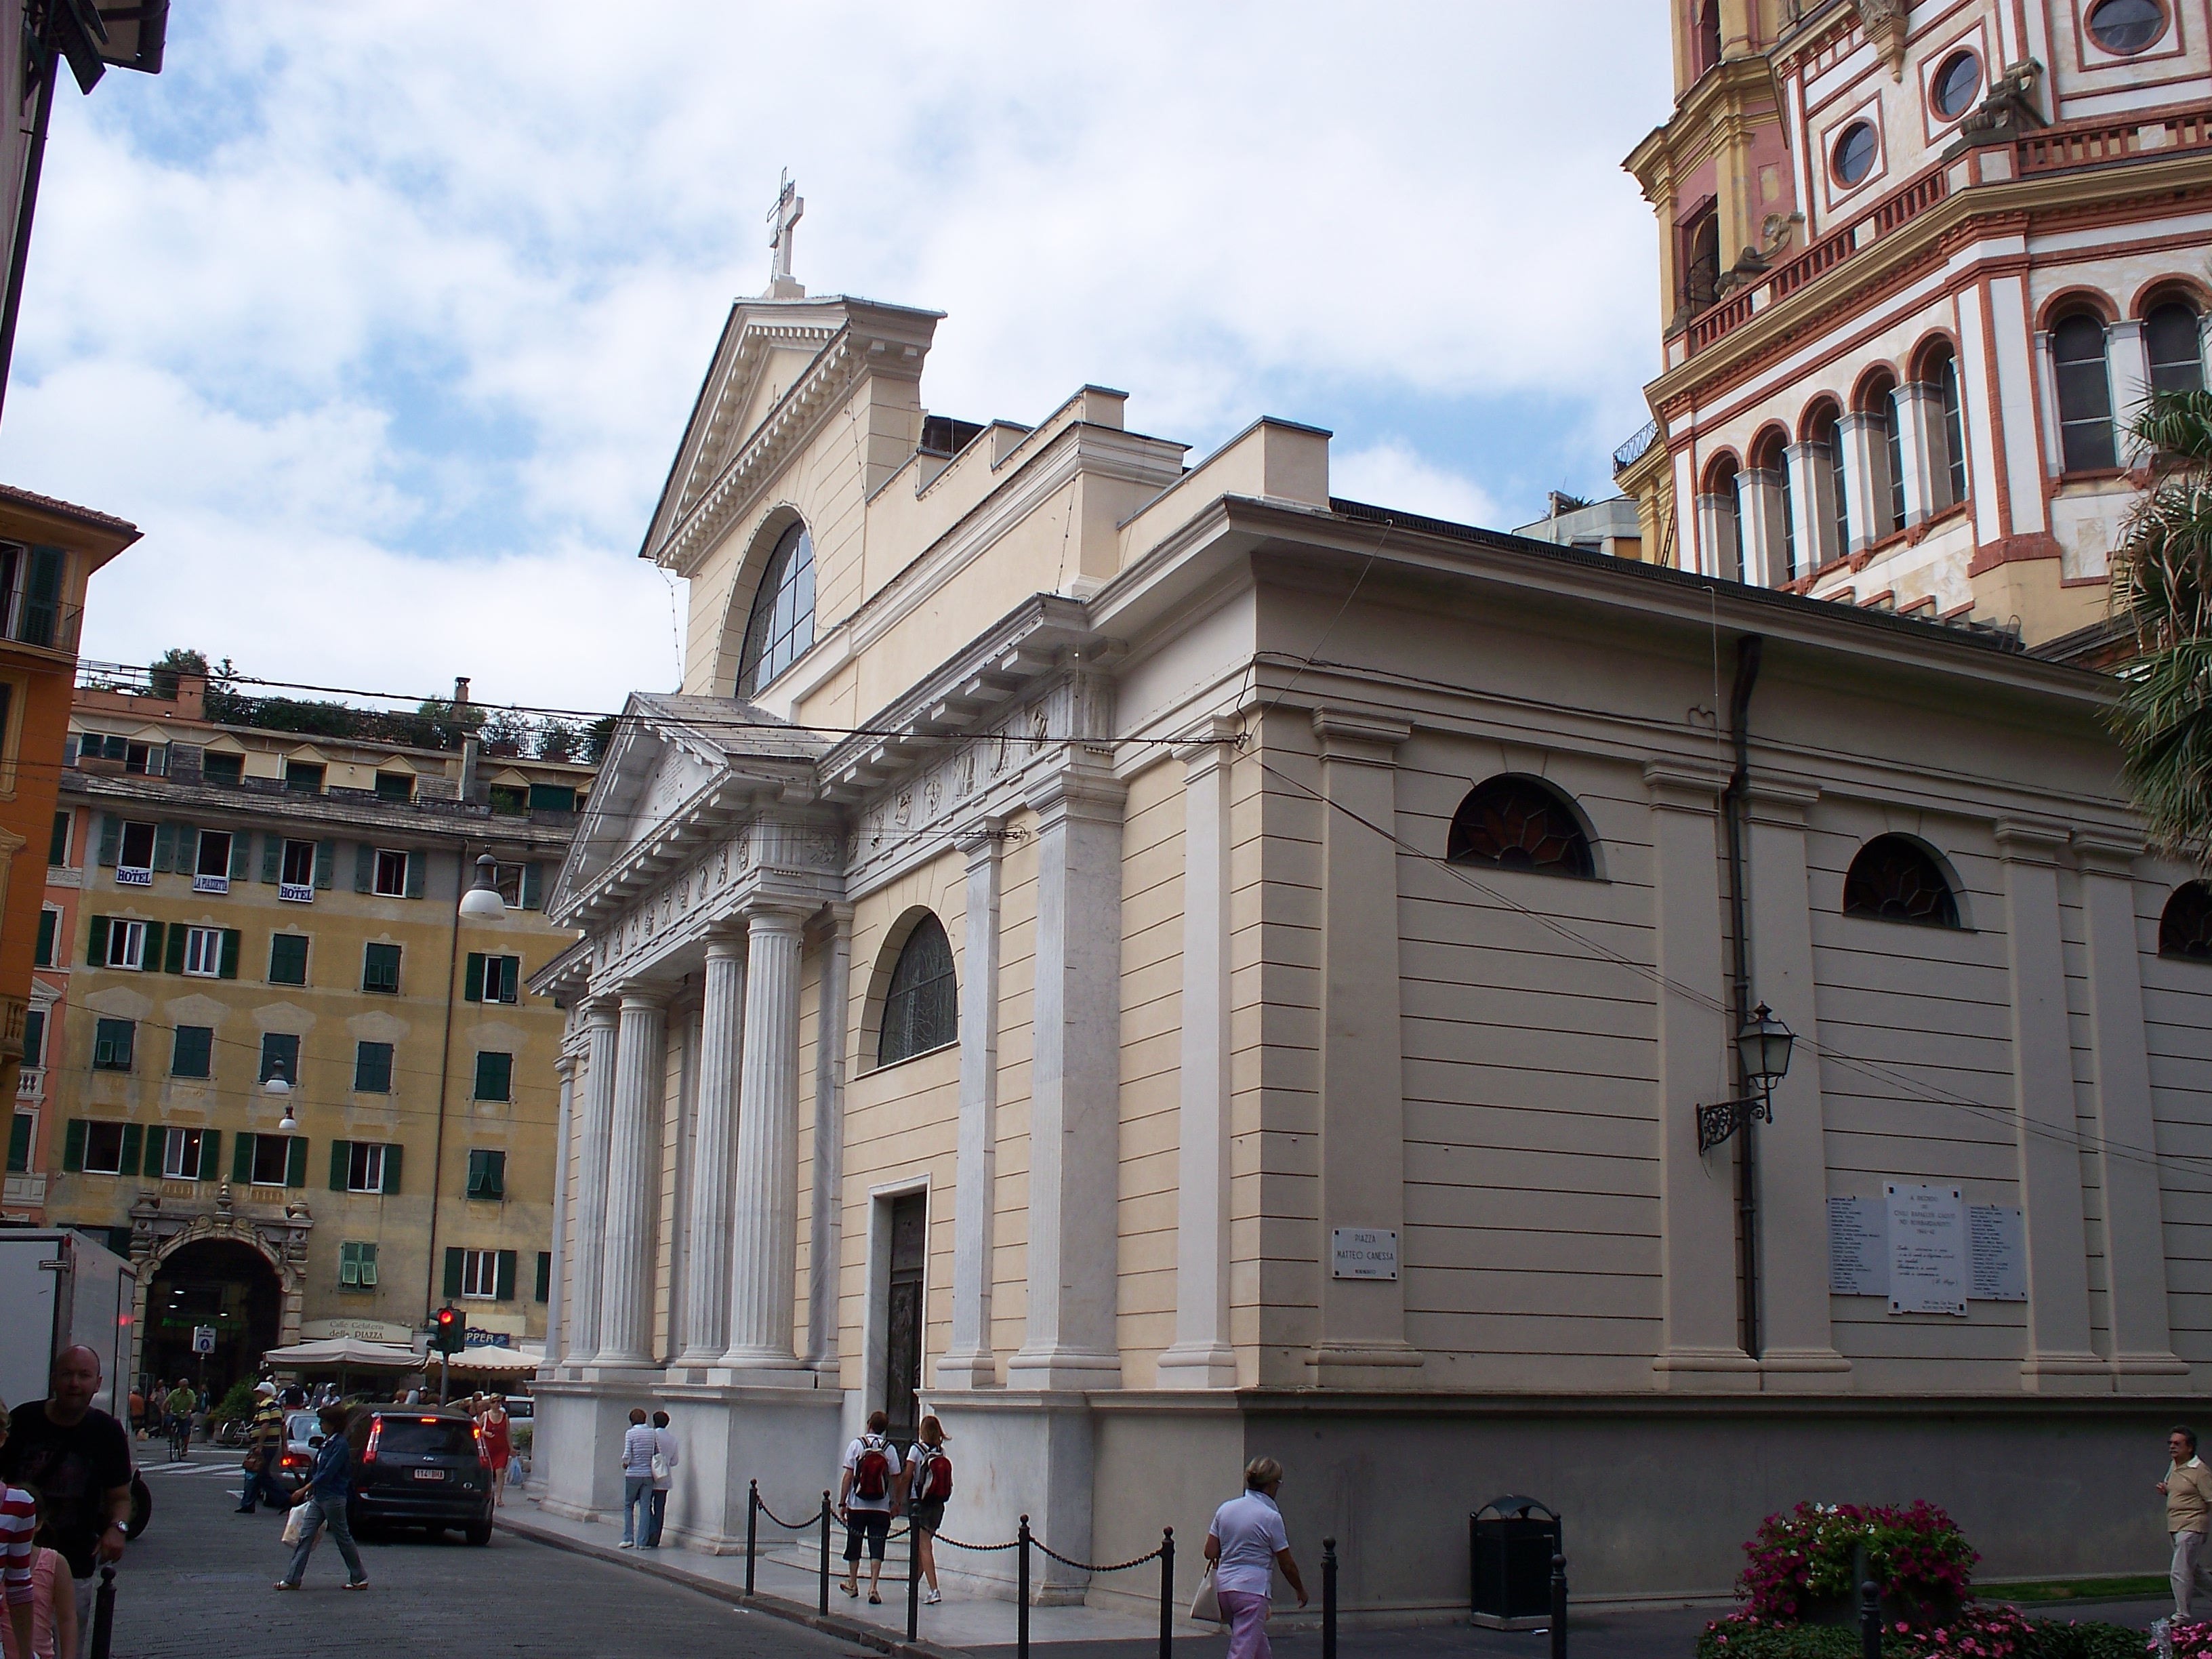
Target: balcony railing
{"points": [[14, 1010], [47, 623], [2055, 149], [1636, 448]]}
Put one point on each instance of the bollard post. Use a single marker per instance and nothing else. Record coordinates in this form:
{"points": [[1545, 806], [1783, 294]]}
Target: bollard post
{"points": [[1167, 1593], [823, 1608], [913, 1579], [752, 1531], [1559, 1607], [1329, 1598], [1869, 1620], [103, 1613], [1021, 1592]]}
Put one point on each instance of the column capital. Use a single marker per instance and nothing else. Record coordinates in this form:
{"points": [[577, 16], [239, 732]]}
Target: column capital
{"points": [[1082, 785], [602, 1010], [768, 915], [725, 943], [564, 1067], [980, 841], [1209, 744], [1364, 739], [1773, 801], [1684, 786], [2029, 840], [2108, 852], [640, 994]]}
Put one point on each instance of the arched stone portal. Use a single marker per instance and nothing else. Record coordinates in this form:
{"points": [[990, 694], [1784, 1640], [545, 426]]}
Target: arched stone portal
{"points": [[248, 1270]]}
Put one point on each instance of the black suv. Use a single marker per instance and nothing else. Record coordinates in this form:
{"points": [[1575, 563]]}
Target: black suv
{"points": [[420, 1468]]}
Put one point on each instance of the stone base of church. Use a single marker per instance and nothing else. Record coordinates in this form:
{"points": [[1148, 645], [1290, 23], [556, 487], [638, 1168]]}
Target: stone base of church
{"points": [[581, 1414], [787, 1438]]}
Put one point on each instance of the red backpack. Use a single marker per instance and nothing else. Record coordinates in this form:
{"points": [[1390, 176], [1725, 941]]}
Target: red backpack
{"points": [[936, 1475], [872, 1470]]}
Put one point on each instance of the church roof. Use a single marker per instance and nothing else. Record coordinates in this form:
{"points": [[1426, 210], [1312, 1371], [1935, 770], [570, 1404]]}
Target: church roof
{"points": [[736, 729]]}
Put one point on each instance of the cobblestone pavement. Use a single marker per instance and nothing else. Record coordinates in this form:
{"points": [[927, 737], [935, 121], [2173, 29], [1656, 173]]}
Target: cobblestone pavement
{"points": [[196, 1586]]}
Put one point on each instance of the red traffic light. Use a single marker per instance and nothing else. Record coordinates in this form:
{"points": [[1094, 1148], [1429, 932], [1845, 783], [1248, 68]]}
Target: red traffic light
{"points": [[451, 1333]]}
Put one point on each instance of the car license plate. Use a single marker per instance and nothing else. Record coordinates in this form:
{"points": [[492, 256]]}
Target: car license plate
{"points": [[429, 1474]]}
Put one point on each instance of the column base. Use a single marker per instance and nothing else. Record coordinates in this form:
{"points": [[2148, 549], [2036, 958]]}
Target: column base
{"points": [[1707, 1371], [968, 1370], [1198, 1365], [763, 1368], [1063, 1370], [1803, 1370], [2146, 1373], [2066, 1373], [786, 1437]]}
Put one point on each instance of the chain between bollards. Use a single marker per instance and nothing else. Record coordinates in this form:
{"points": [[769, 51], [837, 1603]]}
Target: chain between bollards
{"points": [[1167, 1593], [1329, 1598], [1022, 1593], [1869, 1620], [823, 1598], [752, 1530], [1559, 1607]]}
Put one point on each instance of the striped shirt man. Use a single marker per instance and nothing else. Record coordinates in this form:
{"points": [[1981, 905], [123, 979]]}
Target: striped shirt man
{"points": [[19, 1520]]}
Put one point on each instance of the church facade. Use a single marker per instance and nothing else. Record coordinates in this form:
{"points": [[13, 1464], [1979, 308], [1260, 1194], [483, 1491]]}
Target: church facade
{"points": [[1155, 964]]}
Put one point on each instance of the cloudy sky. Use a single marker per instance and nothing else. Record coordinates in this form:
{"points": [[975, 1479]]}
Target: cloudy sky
{"points": [[382, 320]]}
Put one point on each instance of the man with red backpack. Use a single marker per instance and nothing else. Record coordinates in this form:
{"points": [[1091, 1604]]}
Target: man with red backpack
{"points": [[929, 1484], [866, 1484]]}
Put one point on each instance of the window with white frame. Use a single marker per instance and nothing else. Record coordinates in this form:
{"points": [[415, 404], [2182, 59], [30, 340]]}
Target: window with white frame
{"points": [[296, 881], [103, 1148], [390, 874], [180, 1156], [126, 944], [480, 1275], [365, 1167], [211, 869], [134, 857], [203, 952]]}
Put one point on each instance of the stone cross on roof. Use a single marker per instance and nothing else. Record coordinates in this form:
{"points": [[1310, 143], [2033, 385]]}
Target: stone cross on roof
{"points": [[790, 206]]}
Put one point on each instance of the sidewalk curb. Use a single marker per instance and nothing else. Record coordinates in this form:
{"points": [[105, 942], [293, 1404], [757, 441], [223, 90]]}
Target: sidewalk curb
{"points": [[777, 1607]]}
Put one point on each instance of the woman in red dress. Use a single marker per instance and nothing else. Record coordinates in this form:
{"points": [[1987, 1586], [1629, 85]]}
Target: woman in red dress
{"points": [[499, 1444]]}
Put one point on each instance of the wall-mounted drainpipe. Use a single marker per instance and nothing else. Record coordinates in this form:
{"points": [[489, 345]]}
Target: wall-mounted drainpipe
{"points": [[1734, 810]]}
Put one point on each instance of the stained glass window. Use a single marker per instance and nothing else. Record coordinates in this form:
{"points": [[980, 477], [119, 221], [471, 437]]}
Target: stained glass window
{"points": [[2185, 928], [1893, 878], [921, 1010], [1519, 824], [781, 625]]}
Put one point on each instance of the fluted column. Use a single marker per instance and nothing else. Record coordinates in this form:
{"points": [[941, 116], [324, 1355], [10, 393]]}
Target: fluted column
{"points": [[556, 1343], [714, 1154], [633, 1176], [601, 1044], [824, 1231], [764, 1243]]}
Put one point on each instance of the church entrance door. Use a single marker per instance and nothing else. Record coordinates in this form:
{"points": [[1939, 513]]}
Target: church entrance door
{"points": [[902, 1309]]}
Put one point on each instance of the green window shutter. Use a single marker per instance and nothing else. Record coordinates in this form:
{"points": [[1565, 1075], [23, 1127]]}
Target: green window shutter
{"points": [[272, 857], [111, 840], [368, 1266], [392, 1153], [326, 862], [210, 1153], [48, 921], [349, 1264], [152, 957], [96, 945], [471, 982], [165, 846], [73, 1145], [417, 862], [475, 1188], [452, 1273], [232, 942], [295, 1161], [132, 1133], [533, 884], [510, 979], [157, 1146], [241, 1161], [241, 854], [57, 841], [364, 867], [544, 1276], [506, 1285], [341, 1157], [172, 959]]}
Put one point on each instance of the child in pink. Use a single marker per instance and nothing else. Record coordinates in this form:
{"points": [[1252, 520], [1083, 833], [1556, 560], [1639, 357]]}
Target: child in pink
{"points": [[53, 1612]]}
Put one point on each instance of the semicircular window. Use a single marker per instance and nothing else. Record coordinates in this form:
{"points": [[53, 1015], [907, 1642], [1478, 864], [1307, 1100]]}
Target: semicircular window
{"points": [[2186, 928], [922, 1009], [1895, 879], [1518, 824], [781, 625]]}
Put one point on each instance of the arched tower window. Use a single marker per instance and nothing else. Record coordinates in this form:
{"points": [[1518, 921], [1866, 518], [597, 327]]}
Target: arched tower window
{"points": [[1723, 484], [1893, 878], [1520, 824], [1948, 469], [922, 1009], [2176, 348], [2186, 928], [1708, 35], [2085, 394], [1888, 456], [781, 625], [1829, 519]]}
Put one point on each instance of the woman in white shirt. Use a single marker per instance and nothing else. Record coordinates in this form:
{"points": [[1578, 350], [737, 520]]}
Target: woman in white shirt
{"points": [[1247, 1543], [637, 1481]]}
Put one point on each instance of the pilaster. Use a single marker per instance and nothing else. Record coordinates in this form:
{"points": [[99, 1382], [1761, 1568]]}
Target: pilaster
{"points": [[1720, 550], [765, 1244], [602, 1044], [556, 1302], [1866, 469], [1765, 555], [1362, 1109], [713, 1154], [968, 1363], [633, 1182], [1812, 485], [2129, 357], [1918, 411], [825, 1228]]}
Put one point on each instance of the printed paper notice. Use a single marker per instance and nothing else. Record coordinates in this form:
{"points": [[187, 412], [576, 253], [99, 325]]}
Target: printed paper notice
{"points": [[1858, 1247], [1363, 1252], [2000, 1243], [1927, 1249]]}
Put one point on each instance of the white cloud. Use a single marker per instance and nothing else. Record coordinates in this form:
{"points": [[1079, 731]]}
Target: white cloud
{"points": [[369, 310]]}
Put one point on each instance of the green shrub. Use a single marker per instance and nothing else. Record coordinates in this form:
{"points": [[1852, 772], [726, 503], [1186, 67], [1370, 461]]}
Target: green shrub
{"points": [[2089, 1638], [1979, 1632], [237, 1403]]}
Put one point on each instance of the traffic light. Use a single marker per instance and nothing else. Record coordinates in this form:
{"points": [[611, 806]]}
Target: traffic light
{"points": [[449, 1331]]}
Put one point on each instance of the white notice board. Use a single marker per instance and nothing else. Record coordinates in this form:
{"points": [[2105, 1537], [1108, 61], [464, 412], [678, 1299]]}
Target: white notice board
{"points": [[1999, 1236], [1927, 1248], [1858, 1247], [1363, 1253]]}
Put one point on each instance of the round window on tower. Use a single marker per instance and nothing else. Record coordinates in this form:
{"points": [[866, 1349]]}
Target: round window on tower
{"points": [[1854, 153], [2126, 26], [1956, 83]]}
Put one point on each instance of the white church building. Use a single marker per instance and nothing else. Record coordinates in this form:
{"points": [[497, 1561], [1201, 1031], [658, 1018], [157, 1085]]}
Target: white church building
{"points": [[1157, 964]]}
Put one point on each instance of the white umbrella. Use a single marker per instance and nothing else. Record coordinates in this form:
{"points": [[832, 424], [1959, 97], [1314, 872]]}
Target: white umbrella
{"points": [[500, 1362], [349, 1353]]}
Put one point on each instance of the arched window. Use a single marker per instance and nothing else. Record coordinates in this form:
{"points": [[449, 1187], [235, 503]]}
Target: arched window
{"points": [[1701, 259], [1823, 450], [1948, 461], [2175, 347], [1520, 824], [922, 1009], [2186, 928], [1770, 457], [781, 625], [1895, 879], [2085, 394], [1888, 451], [1723, 484], [1708, 35]]}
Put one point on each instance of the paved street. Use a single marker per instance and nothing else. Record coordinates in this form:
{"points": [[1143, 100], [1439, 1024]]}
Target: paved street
{"points": [[197, 1584]]}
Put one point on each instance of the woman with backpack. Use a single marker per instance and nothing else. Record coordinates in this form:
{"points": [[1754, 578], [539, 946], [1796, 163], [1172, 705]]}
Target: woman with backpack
{"points": [[866, 1483], [929, 1483]]}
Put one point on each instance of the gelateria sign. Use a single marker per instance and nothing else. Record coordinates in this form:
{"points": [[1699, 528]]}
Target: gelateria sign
{"points": [[360, 1330]]}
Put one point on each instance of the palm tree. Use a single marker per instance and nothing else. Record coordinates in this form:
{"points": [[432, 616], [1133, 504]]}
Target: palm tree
{"points": [[2162, 588]]}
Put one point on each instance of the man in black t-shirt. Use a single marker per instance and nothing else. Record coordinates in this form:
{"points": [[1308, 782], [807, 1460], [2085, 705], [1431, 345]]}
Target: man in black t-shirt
{"points": [[79, 1458]]}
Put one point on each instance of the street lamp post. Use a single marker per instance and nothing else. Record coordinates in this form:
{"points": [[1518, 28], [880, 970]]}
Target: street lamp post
{"points": [[1763, 1047], [278, 1084]]}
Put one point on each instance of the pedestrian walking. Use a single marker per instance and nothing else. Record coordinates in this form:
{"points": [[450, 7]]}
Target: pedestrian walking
{"points": [[498, 1445], [929, 1484], [78, 1459], [43, 1624], [867, 1482], [1246, 1543], [322, 1502], [2188, 1491], [264, 1446], [667, 1454], [637, 1479]]}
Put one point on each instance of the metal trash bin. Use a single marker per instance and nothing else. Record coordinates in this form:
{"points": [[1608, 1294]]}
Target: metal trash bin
{"points": [[1510, 1541]]}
